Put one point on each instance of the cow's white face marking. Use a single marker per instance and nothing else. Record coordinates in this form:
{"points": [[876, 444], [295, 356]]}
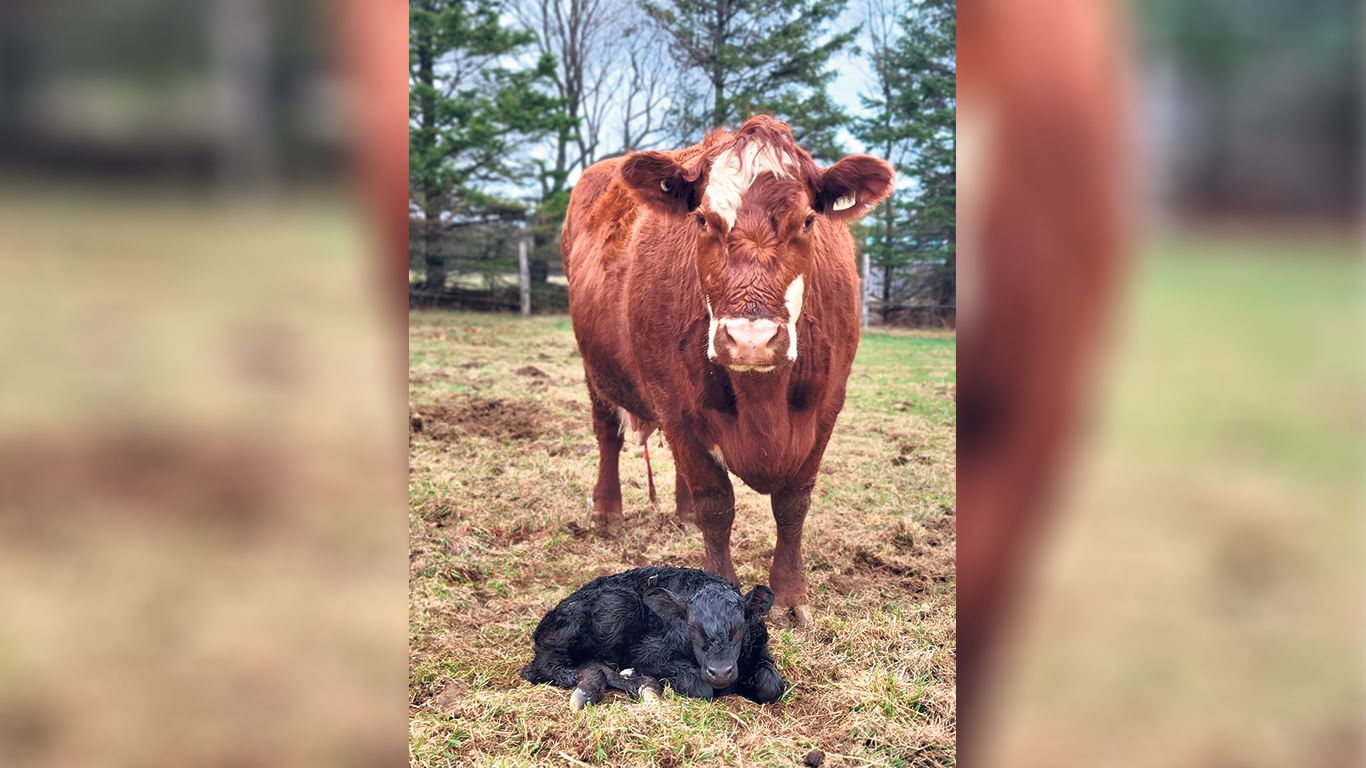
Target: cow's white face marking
{"points": [[732, 174], [795, 293], [847, 201], [711, 332]]}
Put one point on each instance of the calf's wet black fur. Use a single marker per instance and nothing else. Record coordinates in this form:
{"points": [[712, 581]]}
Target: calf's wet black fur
{"points": [[685, 627]]}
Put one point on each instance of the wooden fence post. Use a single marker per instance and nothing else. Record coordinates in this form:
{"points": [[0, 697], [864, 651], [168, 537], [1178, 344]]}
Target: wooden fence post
{"points": [[863, 294], [524, 272]]}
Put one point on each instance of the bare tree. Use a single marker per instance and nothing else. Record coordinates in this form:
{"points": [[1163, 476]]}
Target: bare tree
{"points": [[575, 32], [612, 75], [651, 80]]}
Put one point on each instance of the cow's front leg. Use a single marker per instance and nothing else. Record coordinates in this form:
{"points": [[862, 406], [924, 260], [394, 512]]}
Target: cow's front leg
{"points": [[713, 502], [684, 512], [787, 574]]}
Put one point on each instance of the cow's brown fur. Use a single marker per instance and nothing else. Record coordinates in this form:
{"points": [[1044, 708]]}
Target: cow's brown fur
{"points": [[644, 258], [1046, 79]]}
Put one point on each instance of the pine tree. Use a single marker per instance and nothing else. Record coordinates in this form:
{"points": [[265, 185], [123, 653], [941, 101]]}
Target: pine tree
{"points": [[745, 57], [470, 109], [912, 123]]}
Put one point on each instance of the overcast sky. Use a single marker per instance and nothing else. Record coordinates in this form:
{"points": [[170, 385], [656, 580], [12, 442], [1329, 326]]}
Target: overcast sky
{"points": [[853, 76]]}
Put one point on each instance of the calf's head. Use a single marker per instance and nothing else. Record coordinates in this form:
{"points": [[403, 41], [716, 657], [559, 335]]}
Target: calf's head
{"points": [[714, 624], [756, 206]]}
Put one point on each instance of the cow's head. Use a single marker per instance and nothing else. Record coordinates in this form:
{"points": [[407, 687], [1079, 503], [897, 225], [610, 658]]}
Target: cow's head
{"points": [[757, 205]]}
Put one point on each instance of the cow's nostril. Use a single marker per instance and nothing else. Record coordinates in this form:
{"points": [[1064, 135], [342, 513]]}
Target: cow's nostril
{"points": [[750, 342]]}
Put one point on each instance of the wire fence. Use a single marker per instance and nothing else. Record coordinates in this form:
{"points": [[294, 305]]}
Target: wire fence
{"points": [[503, 269]]}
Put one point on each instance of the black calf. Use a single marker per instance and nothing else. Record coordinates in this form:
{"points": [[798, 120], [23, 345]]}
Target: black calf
{"points": [[689, 628]]}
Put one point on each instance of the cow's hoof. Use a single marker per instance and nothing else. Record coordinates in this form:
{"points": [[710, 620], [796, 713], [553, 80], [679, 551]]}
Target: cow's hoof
{"points": [[578, 699], [797, 615], [607, 527]]}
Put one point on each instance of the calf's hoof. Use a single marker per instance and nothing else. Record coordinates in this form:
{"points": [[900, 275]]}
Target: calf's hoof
{"points": [[579, 699], [650, 692], [768, 685]]}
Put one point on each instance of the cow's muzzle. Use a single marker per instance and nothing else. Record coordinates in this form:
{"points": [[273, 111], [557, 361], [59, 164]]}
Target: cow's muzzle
{"points": [[742, 344]]}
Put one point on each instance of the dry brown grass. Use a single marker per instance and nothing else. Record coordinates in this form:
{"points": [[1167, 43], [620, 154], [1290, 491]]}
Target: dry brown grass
{"points": [[502, 460]]}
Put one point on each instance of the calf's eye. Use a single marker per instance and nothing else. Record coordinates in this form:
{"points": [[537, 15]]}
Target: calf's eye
{"points": [[701, 221]]}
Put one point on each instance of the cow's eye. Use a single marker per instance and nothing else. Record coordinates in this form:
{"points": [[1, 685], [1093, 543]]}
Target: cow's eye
{"points": [[809, 221], [701, 220]]}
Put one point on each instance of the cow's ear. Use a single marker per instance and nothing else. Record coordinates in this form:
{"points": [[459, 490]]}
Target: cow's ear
{"points": [[852, 187], [659, 182], [665, 604], [759, 601]]}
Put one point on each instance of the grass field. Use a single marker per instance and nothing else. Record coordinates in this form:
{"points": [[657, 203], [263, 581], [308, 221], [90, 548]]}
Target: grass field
{"points": [[502, 461], [1200, 601]]}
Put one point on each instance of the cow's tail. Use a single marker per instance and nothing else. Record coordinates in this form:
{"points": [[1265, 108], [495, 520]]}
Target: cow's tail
{"points": [[650, 475]]}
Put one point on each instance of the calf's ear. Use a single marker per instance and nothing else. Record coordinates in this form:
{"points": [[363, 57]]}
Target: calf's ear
{"points": [[659, 182], [758, 601], [852, 187], [665, 604]]}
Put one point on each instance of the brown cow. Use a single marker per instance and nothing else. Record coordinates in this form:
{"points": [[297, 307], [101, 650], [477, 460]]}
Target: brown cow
{"points": [[1041, 88], [714, 295]]}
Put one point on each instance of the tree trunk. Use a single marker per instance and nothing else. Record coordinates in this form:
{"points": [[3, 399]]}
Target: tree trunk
{"points": [[886, 292], [540, 271], [436, 263], [431, 192], [718, 75], [718, 112]]}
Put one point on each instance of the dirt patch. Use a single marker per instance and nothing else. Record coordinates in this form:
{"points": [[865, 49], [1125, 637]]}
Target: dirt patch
{"points": [[462, 574], [867, 559], [482, 417], [532, 371], [907, 452], [922, 554], [473, 364], [451, 696]]}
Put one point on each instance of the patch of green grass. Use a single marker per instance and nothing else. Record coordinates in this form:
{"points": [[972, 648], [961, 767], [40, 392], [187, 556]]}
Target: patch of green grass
{"points": [[1205, 593], [499, 533]]}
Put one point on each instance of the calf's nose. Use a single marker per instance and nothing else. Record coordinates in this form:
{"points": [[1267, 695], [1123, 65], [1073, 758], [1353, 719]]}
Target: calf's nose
{"points": [[721, 673], [746, 341]]}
